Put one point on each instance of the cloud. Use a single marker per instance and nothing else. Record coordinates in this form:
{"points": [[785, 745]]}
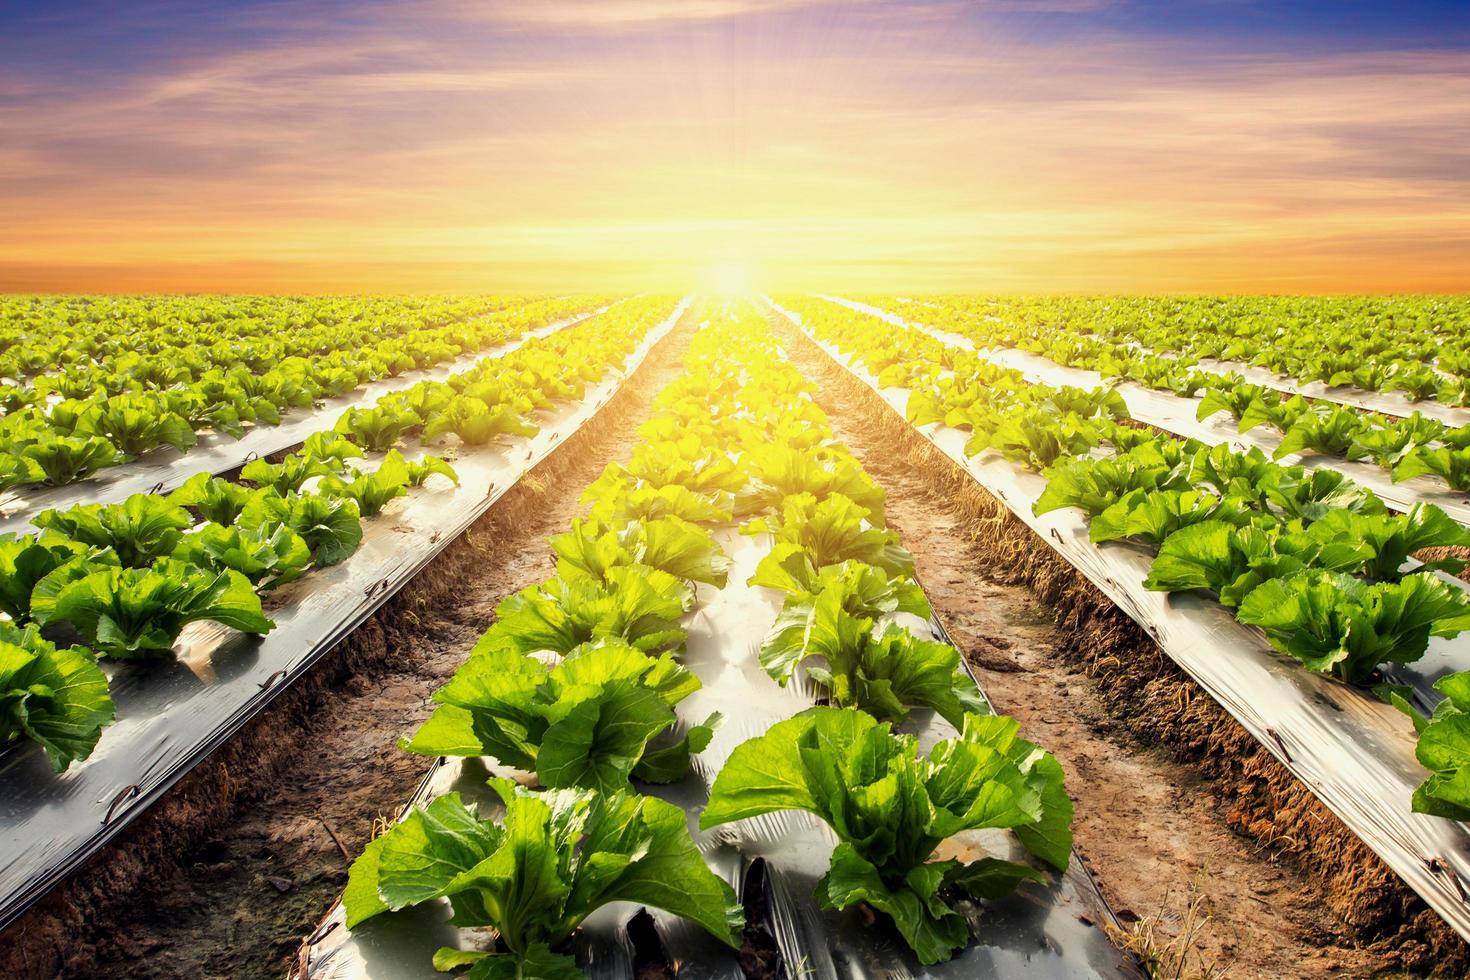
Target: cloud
{"points": [[931, 143]]}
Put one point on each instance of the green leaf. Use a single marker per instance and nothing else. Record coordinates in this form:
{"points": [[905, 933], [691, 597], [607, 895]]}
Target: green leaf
{"points": [[54, 696], [133, 613], [139, 530], [331, 526], [218, 500]]}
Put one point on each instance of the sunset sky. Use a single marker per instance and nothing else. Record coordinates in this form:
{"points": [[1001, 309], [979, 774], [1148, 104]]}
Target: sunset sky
{"points": [[1001, 145]]}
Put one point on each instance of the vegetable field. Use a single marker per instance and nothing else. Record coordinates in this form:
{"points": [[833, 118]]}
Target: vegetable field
{"points": [[734, 636]]}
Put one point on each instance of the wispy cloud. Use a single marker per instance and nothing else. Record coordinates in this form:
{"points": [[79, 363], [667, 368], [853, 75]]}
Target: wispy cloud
{"points": [[958, 152]]}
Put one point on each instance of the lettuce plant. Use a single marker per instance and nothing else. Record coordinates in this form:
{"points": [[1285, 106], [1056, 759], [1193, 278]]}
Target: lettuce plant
{"points": [[136, 424], [536, 876], [376, 429], [639, 605], [1393, 538], [832, 531], [17, 471], [1386, 444], [1231, 560], [266, 560], [331, 526], [476, 423], [288, 475], [26, 560], [1338, 624], [216, 499], [892, 807], [67, 459], [139, 530], [586, 722], [1330, 431], [138, 613], [1151, 516], [883, 673], [419, 470], [54, 696], [1094, 485], [1449, 464], [1297, 493], [1443, 749], [372, 491], [669, 544], [331, 449]]}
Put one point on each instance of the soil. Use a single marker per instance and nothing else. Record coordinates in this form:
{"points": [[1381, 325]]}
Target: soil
{"points": [[1152, 829], [237, 902]]}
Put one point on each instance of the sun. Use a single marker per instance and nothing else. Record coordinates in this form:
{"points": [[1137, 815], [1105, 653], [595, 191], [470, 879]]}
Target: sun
{"points": [[729, 277]]}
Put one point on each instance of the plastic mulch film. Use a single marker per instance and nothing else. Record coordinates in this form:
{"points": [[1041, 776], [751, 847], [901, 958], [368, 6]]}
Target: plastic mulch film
{"points": [[166, 468], [1176, 414], [1384, 402], [172, 715], [1351, 750], [1041, 932]]}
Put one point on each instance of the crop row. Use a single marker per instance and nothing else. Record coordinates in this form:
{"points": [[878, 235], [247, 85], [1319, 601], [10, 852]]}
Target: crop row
{"points": [[122, 580], [65, 426], [1404, 447], [1313, 560], [1413, 345], [577, 688]]}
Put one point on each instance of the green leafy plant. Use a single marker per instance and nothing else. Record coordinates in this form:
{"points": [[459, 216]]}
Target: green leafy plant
{"points": [[891, 808], [1231, 560], [1393, 538], [1338, 624], [54, 696], [420, 470], [1330, 430], [1443, 749], [1449, 464], [25, 560], [288, 475], [476, 423], [372, 491], [883, 673], [266, 560], [216, 499], [376, 429], [669, 544], [331, 526], [586, 722], [1151, 516], [557, 857], [639, 605], [138, 613], [67, 459], [139, 530], [831, 531]]}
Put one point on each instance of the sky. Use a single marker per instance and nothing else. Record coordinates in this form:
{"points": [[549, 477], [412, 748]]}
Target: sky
{"points": [[1294, 146]]}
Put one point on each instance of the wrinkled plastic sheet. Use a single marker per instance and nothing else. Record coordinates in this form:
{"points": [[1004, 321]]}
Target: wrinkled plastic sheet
{"points": [[1037, 932], [171, 715], [1384, 402], [1176, 414], [1352, 751], [165, 468]]}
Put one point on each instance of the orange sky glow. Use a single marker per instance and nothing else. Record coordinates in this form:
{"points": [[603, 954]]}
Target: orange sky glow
{"points": [[635, 144]]}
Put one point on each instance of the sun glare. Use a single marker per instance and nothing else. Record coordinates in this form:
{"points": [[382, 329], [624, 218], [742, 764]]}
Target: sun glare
{"points": [[730, 277]]}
